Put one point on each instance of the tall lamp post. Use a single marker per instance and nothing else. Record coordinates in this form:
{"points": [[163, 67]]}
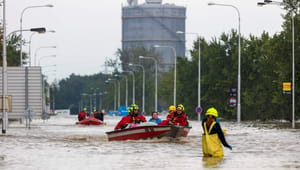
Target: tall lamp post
{"points": [[156, 67], [95, 98], [239, 58], [46, 90], [115, 92], [119, 93], [43, 57], [53, 100], [126, 91], [35, 54], [83, 100], [100, 100], [133, 85], [21, 22], [29, 42], [119, 88], [4, 72], [175, 65], [267, 2], [199, 67], [91, 104], [143, 100]]}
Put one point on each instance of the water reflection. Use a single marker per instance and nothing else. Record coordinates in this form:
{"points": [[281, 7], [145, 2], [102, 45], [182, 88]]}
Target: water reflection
{"points": [[60, 144], [212, 162]]}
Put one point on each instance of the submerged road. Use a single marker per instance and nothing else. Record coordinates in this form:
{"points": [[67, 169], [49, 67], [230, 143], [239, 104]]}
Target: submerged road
{"points": [[58, 143]]}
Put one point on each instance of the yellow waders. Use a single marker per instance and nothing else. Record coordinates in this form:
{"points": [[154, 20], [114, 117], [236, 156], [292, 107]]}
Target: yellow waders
{"points": [[211, 144]]}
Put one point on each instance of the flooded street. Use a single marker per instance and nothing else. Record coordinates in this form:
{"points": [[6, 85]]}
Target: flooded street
{"points": [[60, 144]]}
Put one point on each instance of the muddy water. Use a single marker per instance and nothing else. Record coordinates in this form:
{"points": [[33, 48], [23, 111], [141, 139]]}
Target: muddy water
{"points": [[60, 144]]}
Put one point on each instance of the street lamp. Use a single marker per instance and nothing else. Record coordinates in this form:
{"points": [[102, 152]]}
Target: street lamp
{"points": [[83, 103], [199, 67], [126, 90], [239, 58], [119, 94], [266, 2], [156, 67], [119, 89], [138, 65], [100, 100], [115, 92], [133, 85], [46, 72], [95, 98], [53, 100], [21, 21], [45, 57], [34, 30], [29, 51], [38, 30], [175, 63], [39, 49], [46, 90], [53, 65], [103, 94], [4, 71]]}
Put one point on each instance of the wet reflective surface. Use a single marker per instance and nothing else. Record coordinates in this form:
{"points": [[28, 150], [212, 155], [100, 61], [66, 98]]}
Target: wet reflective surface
{"points": [[60, 144]]}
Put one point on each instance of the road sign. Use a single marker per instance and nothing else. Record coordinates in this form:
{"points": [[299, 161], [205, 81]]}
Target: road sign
{"points": [[232, 102], [286, 87], [233, 92], [199, 109]]}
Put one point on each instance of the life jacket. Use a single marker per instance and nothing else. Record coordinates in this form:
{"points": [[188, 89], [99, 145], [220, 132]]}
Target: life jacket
{"points": [[179, 119], [169, 116], [211, 144], [137, 119]]}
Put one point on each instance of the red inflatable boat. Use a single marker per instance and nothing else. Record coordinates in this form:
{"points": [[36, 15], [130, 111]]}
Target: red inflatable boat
{"points": [[144, 132], [90, 121]]}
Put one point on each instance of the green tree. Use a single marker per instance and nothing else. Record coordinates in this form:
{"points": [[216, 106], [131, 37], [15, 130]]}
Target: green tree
{"points": [[12, 51]]}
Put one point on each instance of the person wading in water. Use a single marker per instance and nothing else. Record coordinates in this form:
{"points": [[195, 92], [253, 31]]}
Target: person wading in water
{"points": [[213, 136]]}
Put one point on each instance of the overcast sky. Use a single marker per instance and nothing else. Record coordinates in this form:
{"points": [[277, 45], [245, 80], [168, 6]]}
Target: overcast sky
{"points": [[89, 31]]}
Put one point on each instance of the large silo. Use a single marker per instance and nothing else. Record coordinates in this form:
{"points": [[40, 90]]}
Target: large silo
{"points": [[154, 23]]}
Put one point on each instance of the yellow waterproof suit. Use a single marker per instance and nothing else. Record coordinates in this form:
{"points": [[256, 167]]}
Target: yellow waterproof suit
{"points": [[211, 144]]}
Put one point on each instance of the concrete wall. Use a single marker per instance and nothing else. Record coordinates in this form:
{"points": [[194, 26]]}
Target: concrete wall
{"points": [[24, 84]]}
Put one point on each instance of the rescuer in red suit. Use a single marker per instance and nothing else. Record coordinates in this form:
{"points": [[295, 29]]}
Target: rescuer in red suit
{"points": [[178, 117], [82, 114], [133, 117]]}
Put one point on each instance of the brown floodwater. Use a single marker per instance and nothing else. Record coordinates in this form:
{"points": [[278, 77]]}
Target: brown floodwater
{"points": [[58, 143]]}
